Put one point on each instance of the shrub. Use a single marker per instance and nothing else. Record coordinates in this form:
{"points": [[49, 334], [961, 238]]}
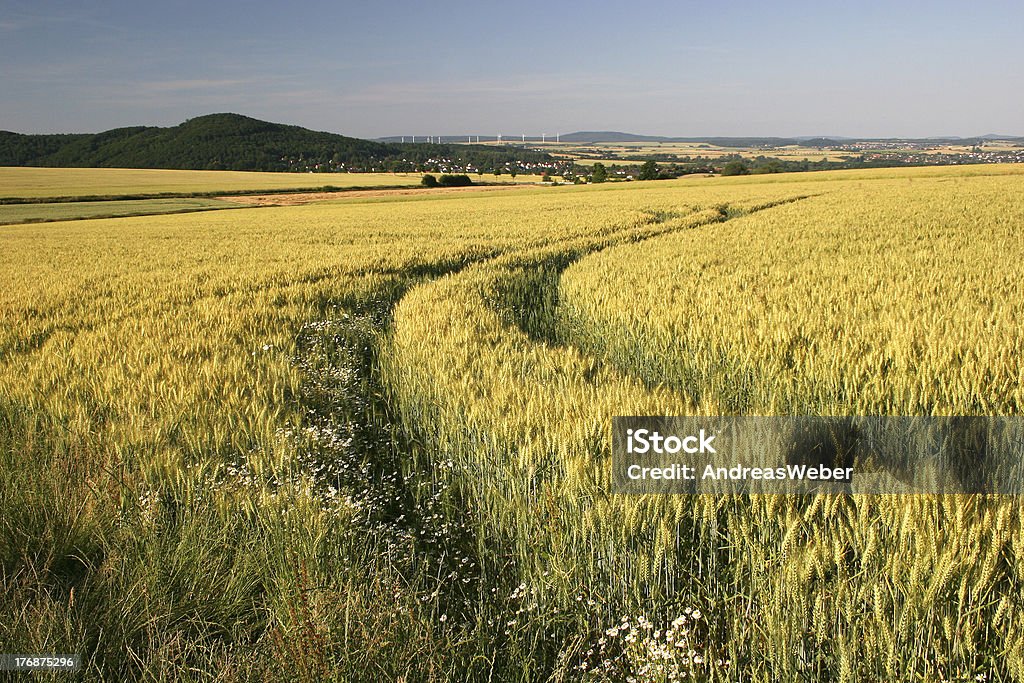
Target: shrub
{"points": [[460, 180]]}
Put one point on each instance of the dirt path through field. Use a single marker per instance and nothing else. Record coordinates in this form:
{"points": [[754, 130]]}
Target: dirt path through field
{"points": [[293, 198]]}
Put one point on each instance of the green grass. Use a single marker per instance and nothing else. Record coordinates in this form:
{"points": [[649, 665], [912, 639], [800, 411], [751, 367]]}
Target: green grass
{"points": [[69, 211]]}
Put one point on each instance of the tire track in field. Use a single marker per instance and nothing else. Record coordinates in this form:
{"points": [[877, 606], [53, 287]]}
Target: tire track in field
{"points": [[533, 309], [371, 445]]}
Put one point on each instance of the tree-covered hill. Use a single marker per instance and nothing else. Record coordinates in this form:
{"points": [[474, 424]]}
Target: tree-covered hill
{"points": [[241, 143]]}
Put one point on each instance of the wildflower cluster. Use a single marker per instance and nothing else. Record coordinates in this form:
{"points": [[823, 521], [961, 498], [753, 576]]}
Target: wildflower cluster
{"points": [[637, 649], [351, 449]]}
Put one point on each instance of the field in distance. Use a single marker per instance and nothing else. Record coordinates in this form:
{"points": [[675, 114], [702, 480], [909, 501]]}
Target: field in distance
{"points": [[616, 152], [632, 152], [32, 195], [47, 183], [45, 212]]}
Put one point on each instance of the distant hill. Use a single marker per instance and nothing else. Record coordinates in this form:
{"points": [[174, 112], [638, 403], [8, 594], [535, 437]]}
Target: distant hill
{"points": [[611, 136], [241, 143]]}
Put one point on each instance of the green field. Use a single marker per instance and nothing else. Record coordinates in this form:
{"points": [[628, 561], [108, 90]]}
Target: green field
{"points": [[66, 211], [368, 440]]}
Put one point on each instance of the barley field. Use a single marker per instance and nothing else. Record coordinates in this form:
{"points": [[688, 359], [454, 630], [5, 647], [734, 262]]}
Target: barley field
{"points": [[369, 441]]}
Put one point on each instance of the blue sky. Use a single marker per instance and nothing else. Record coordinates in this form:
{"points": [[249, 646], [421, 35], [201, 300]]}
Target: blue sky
{"points": [[449, 67]]}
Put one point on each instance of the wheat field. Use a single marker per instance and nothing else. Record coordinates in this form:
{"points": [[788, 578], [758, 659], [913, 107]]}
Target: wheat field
{"points": [[369, 441]]}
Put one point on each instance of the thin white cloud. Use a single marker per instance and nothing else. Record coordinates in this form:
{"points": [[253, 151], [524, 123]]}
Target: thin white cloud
{"points": [[520, 87], [197, 84], [15, 21]]}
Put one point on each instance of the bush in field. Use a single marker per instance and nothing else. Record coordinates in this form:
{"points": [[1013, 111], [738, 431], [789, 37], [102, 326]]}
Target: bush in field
{"points": [[460, 180], [429, 181]]}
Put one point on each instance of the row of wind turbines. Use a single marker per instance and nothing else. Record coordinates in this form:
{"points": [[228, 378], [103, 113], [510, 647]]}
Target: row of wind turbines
{"points": [[438, 139]]}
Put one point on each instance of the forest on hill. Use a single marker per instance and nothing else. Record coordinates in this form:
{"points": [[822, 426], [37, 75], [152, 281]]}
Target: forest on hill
{"points": [[240, 143]]}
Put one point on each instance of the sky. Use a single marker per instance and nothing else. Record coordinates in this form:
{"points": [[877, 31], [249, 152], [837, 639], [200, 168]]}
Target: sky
{"points": [[374, 68]]}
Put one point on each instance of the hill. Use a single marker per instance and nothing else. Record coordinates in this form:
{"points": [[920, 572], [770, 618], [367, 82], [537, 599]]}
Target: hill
{"points": [[611, 136], [240, 143]]}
